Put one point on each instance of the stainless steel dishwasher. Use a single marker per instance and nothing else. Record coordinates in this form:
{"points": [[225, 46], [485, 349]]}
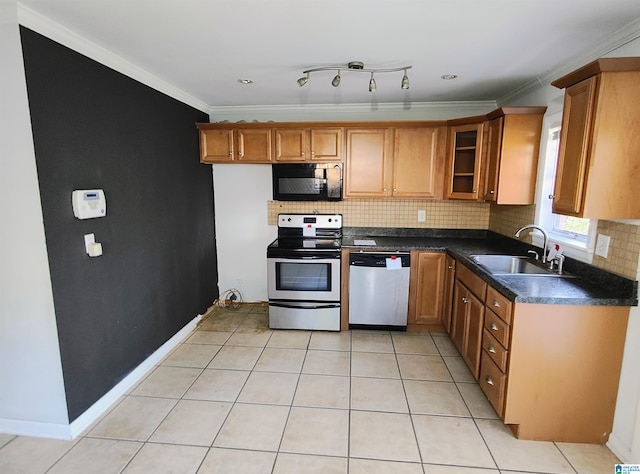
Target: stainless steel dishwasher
{"points": [[379, 290]]}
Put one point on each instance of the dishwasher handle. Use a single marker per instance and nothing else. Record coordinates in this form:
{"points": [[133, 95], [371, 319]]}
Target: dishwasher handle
{"points": [[378, 259]]}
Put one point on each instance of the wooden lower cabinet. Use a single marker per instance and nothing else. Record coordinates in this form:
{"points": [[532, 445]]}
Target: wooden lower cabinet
{"points": [[426, 290], [551, 371], [468, 317]]}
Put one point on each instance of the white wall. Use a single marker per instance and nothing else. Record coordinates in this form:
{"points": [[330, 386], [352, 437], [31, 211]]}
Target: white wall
{"points": [[241, 193], [32, 397]]}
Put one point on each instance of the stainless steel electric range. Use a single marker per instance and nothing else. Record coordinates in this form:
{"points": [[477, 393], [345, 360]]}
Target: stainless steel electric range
{"points": [[303, 272]]}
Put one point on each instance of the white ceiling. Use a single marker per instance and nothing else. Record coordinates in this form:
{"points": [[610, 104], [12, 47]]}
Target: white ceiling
{"points": [[203, 47]]}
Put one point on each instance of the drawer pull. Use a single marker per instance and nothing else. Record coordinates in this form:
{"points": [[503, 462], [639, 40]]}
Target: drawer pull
{"points": [[465, 300], [493, 327], [491, 349], [489, 380], [496, 303]]}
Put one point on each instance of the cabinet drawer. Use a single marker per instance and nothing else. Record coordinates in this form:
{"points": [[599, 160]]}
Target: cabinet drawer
{"points": [[472, 281], [493, 383], [499, 304], [495, 350], [496, 327]]}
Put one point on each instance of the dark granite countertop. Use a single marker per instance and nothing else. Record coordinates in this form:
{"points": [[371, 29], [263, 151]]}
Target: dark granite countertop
{"points": [[587, 285]]}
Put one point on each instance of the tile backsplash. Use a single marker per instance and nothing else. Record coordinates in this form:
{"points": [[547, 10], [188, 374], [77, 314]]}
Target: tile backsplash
{"points": [[624, 249], [392, 213]]}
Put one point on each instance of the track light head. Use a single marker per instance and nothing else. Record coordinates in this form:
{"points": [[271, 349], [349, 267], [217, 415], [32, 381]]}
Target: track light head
{"points": [[303, 80], [372, 84], [336, 80], [405, 80]]}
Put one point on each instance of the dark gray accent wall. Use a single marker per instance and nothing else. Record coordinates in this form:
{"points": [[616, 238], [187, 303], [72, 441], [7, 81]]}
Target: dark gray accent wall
{"points": [[96, 128]]}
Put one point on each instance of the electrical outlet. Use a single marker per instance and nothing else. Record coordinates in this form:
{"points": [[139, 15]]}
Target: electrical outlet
{"points": [[602, 245], [422, 215]]}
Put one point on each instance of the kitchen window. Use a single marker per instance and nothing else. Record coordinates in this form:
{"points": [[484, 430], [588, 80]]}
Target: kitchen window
{"points": [[576, 236]]}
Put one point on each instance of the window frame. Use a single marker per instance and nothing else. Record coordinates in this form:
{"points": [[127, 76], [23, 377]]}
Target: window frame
{"points": [[580, 248]]}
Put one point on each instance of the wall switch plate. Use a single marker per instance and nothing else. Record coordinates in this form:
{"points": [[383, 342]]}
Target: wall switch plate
{"points": [[602, 245], [422, 215]]}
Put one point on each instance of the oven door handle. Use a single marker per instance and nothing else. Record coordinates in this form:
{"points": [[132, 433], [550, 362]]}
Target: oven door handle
{"points": [[297, 306]]}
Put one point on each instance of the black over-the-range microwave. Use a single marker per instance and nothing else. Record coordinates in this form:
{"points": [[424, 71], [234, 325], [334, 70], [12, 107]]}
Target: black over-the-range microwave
{"points": [[307, 181]]}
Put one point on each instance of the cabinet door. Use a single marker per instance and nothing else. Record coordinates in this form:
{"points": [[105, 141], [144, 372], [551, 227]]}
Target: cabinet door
{"points": [[494, 145], [474, 325], [417, 163], [427, 304], [254, 145], [464, 162], [216, 146], [579, 101], [459, 315], [449, 277], [326, 144], [291, 144], [368, 166]]}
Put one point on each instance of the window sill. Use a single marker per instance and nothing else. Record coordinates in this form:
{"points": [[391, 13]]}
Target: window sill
{"points": [[569, 247]]}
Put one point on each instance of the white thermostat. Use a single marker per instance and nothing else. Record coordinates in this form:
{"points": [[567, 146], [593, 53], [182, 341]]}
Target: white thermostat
{"points": [[89, 203]]}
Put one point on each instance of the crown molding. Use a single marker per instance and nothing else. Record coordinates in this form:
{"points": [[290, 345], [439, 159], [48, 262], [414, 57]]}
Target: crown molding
{"points": [[325, 112], [41, 24], [626, 34]]}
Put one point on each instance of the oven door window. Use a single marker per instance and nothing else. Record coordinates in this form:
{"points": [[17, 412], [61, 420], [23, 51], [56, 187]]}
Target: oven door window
{"points": [[296, 276]]}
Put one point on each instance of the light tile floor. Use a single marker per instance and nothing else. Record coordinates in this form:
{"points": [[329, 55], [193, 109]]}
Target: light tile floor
{"points": [[236, 397]]}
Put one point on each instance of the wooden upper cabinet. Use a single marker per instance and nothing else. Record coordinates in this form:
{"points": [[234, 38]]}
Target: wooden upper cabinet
{"points": [[216, 146], [290, 144], [395, 162], [230, 145], [512, 149], [316, 144], [253, 145], [599, 157], [326, 144], [464, 161], [368, 162], [418, 167]]}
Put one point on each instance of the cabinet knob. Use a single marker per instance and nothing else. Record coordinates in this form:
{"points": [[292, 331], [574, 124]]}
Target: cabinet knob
{"points": [[313, 153], [493, 327], [230, 153], [394, 190], [492, 192], [491, 349], [552, 197], [496, 303], [302, 154], [465, 300], [384, 189], [450, 267], [489, 380], [474, 190], [239, 153]]}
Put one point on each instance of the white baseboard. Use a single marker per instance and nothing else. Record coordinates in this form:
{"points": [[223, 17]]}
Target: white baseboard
{"points": [[70, 431], [618, 448]]}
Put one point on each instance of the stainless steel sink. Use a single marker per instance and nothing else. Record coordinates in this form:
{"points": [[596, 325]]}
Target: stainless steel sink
{"points": [[512, 265]]}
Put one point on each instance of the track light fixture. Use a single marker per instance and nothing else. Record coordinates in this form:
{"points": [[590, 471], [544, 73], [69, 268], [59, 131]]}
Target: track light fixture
{"points": [[356, 66]]}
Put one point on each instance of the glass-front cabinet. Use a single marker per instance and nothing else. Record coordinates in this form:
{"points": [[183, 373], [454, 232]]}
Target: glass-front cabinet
{"points": [[464, 162]]}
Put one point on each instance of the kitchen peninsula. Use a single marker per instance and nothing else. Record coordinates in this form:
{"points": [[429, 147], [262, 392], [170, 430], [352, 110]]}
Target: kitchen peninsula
{"points": [[547, 351]]}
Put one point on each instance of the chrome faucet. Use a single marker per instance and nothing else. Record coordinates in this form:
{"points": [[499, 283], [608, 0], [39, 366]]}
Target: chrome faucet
{"points": [[544, 235]]}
